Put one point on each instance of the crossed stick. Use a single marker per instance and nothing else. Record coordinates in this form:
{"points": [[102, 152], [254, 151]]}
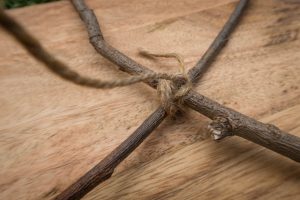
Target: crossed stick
{"points": [[225, 121]]}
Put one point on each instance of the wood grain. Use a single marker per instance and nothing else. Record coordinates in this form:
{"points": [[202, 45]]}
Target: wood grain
{"points": [[52, 132]]}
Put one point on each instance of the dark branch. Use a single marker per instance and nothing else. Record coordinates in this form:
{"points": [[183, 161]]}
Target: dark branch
{"points": [[96, 38], [241, 125], [104, 169], [219, 42]]}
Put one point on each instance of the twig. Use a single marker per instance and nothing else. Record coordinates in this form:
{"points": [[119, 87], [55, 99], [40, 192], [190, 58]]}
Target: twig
{"points": [[266, 135], [219, 42], [96, 38], [241, 125], [104, 169]]}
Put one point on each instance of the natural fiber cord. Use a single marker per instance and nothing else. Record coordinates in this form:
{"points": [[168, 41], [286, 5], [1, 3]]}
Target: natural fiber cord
{"points": [[166, 88]]}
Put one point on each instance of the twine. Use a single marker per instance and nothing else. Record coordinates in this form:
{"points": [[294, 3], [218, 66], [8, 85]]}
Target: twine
{"points": [[171, 94], [169, 90]]}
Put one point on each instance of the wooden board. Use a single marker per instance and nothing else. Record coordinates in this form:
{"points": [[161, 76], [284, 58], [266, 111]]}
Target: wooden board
{"points": [[52, 132]]}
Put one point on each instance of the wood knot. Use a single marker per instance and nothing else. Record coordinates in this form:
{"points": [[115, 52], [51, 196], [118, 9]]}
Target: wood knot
{"points": [[274, 131], [220, 128]]}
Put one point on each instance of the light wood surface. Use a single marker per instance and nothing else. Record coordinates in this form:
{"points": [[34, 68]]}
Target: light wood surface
{"points": [[52, 132]]}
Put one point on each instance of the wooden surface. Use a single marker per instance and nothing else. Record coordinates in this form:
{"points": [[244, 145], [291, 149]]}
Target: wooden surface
{"points": [[52, 132]]}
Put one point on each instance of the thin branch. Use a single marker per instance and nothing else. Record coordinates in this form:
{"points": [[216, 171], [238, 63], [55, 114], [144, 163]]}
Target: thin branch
{"points": [[219, 42], [104, 169], [246, 127], [96, 38]]}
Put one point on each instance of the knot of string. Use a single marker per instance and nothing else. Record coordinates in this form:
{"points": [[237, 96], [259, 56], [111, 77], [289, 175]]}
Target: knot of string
{"points": [[170, 91]]}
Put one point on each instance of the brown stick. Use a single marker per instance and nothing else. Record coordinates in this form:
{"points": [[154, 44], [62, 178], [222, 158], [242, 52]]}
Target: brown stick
{"points": [[241, 125], [214, 49], [96, 38], [104, 169]]}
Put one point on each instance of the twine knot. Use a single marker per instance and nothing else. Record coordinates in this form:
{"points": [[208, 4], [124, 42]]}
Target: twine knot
{"points": [[171, 95], [171, 91]]}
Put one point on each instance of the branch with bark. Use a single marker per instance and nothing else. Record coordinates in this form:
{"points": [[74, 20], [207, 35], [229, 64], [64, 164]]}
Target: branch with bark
{"points": [[225, 121]]}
